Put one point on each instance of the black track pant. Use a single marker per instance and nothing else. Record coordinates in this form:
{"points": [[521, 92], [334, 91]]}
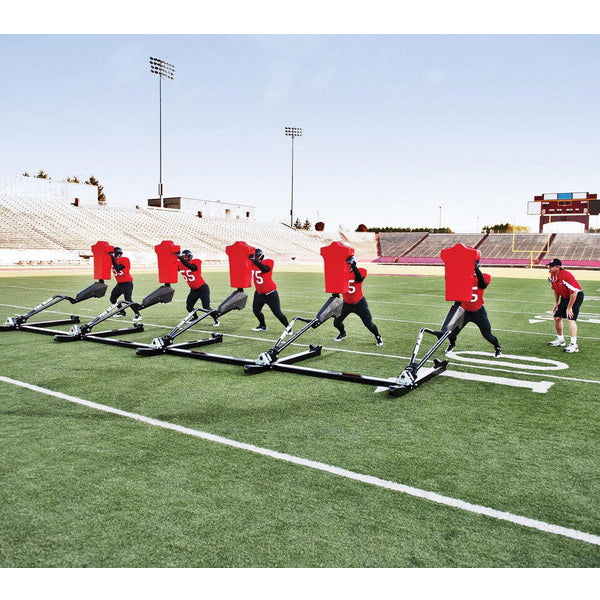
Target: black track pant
{"points": [[480, 318], [361, 308], [125, 289], [202, 293], [272, 301]]}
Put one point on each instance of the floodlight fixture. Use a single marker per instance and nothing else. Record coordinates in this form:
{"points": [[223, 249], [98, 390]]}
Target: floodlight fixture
{"points": [[162, 69], [293, 132]]}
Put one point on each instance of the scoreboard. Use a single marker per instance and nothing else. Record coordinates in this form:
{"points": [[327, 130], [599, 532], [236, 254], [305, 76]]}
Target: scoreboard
{"points": [[572, 203], [570, 206]]}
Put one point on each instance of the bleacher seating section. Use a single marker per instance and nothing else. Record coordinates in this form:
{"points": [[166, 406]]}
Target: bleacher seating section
{"points": [[50, 223], [506, 249], [576, 246], [53, 226]]}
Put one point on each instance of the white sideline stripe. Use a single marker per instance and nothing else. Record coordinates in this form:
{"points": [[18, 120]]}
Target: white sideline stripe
{"points": [[376, 481]]}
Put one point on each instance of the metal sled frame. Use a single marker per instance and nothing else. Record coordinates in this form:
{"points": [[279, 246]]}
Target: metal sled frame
{"points": [[19, 322], [408, 380], [164, 344], [160, 345], [162, 294], [81, 332], [270, 359]]}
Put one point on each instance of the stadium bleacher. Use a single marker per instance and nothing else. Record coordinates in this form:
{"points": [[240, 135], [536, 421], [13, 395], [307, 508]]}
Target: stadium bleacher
{"points": [[576, 246], [52, 224], [62, 233]]}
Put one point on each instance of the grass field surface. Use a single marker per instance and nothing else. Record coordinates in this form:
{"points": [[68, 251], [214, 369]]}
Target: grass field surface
{"points": [[110, 459]]}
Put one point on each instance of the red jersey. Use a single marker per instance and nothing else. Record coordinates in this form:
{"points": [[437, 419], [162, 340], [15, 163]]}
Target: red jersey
{"points": [[564, 284], [476, 301], [354, 293], [263, 282], [193, 278], [122, 275]]}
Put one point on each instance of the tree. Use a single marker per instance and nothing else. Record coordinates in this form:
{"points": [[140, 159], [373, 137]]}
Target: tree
{"points": [[306, 225], [404, 229], [26, 174], [43, 175], [73, 179], [297, 224], [507, 228], [101, 197]]}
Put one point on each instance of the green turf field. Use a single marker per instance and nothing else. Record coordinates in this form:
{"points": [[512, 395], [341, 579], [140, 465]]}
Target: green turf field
{"points": [[85, 486]]}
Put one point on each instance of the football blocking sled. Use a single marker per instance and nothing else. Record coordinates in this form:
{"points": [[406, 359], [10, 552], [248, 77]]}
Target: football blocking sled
{"points": [[269, 359], [335, 258], [240, 276], [460, 264], [160, 345], [166, 251], [95, 290]]}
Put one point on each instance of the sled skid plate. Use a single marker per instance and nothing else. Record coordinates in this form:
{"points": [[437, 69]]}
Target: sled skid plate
{"points": [[401, 389], [111, 341], [147, 350], [65, 337], [231, 360], [41, 326], [288, 360], [215, 338]]}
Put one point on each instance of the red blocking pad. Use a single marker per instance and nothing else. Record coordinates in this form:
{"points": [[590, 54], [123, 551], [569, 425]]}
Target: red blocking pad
{"points": [[240, 268], [336, 267], [459, 263], [166, 253], [102, 260]]}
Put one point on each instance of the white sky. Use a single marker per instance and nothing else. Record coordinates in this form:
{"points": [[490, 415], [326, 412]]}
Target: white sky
{"points": [[458, 125]]}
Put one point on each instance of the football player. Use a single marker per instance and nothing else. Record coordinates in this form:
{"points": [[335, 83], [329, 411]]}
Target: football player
{"points": [[265, 290], [355, 302], [191, 270], [121, 266]]}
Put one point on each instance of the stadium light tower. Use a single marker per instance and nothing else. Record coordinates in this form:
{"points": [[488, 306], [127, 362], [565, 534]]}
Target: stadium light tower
{"points": [[292, 132], [162, 69]]}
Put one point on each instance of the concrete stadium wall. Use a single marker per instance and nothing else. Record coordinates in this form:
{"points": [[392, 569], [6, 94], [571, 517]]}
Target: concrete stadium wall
{"points": [[41, 257]]}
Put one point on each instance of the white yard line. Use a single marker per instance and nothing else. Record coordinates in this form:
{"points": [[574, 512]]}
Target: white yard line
{"points": [[368, 479]]}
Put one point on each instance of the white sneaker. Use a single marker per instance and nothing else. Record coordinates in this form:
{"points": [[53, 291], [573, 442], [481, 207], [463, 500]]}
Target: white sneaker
{"points": [[557, 342], [572, 348], [137, 317]]}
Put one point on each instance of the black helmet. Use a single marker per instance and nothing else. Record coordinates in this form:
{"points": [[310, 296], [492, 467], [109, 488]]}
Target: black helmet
{"points": [[187, 254], [258, 254], [118, 251]]}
